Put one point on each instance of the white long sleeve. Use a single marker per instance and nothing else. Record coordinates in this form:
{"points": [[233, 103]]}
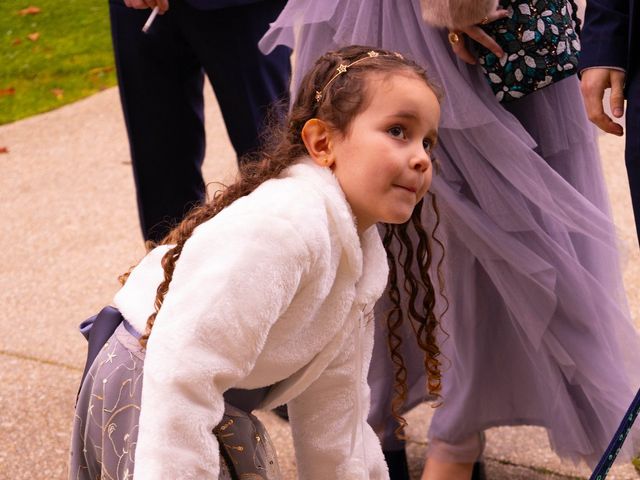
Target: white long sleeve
{"points": [[329, 422], [201, 347]]}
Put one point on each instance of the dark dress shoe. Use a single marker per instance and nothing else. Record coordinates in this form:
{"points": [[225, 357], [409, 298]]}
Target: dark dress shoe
{"points": [[397, 463], [478, 471], [282, 412]]}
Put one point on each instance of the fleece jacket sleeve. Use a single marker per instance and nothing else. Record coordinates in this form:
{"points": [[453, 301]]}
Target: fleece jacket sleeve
{"points": [[331, 435], [232, 282]]}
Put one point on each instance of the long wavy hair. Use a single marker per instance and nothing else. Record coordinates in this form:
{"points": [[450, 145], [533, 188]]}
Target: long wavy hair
{"points": [[342, 98]]}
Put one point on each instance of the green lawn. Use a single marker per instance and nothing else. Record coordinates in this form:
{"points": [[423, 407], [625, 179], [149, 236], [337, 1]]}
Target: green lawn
{"points": [[69, 56]]}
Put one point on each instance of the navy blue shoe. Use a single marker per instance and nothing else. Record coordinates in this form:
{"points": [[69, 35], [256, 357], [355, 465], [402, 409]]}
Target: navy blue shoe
{"points": [[282, 412], [478, 471], [397, 464]]}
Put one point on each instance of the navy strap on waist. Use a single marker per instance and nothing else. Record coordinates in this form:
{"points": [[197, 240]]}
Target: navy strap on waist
{"points": [[97, 330]]}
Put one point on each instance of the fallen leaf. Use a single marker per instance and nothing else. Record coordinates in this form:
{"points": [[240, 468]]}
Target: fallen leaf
{"points": [[33, 36], [5, 92], [100, 70], [58, 93], [30, 11], [16, 41], [4, 150]]}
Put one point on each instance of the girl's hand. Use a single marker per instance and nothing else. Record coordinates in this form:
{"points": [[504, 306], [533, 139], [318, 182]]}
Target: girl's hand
{"points": [[457, 37], [163, 5]]}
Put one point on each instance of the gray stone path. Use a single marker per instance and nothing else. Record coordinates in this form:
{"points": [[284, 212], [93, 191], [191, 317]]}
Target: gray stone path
{"points": [[69, 228]]}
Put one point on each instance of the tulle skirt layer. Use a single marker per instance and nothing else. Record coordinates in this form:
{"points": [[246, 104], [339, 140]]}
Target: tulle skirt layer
{"points": [[538, 329]]}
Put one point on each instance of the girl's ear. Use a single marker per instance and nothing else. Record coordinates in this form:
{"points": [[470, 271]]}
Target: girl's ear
{"points": [[317, 136]]}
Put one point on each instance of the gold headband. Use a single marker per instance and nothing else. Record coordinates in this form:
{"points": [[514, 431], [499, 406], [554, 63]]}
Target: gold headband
{"points": [[342, 68]]}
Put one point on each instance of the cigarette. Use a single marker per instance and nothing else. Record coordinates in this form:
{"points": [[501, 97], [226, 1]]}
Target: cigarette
{"points": [[150, 20]]}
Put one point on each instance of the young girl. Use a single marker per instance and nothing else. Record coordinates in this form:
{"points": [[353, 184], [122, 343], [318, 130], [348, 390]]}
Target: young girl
{"points": [[271, 284]]}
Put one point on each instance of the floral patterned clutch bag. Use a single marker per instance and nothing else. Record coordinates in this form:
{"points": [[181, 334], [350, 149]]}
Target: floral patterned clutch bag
{"points": [[541, 47]]}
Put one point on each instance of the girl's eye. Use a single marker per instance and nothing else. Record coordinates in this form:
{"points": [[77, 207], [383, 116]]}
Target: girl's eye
{"points": [[397, 132], [428, 145]]}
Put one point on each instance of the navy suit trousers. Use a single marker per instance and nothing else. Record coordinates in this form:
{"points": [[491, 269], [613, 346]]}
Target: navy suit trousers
{"points": [[632, 149], [161, 77]]}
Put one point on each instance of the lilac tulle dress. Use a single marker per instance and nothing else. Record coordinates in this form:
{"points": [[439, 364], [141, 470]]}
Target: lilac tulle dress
{"points": [[539, 331]]}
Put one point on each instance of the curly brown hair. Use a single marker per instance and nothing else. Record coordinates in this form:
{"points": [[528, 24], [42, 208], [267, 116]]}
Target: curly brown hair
{"points": [[343, 98], [410, 250]]}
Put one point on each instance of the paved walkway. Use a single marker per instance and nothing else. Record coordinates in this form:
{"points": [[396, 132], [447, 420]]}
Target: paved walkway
{"points": [[70, 227]]}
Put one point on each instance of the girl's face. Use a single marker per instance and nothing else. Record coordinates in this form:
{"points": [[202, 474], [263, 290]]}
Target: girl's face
{"points": [[383, 163]]}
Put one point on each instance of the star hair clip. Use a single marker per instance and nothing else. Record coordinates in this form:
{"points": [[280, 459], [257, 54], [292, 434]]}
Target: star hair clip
{"points": [[342, 68]]}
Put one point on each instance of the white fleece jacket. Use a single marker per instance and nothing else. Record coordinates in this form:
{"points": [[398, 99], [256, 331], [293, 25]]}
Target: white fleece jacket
{"points": [[270, 291], [456, 13]]}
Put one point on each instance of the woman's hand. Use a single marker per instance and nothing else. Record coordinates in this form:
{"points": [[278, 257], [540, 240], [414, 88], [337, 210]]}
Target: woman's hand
{"points": [[163, 5], [457, 41]]}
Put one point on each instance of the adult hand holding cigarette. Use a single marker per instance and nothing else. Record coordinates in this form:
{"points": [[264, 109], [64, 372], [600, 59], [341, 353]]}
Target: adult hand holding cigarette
{"points": [[158, 6]]}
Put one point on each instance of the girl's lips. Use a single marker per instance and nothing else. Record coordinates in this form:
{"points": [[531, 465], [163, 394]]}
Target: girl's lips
{"points": [[410, 189]]}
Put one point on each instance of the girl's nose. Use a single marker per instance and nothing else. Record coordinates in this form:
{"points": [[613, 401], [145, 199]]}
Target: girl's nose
{"points": [[421, 160]]}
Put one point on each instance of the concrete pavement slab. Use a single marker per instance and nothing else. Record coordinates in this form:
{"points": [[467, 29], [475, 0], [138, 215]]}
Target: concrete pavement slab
{"points": [[70, 223], [523, 452], [36, 401]]}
